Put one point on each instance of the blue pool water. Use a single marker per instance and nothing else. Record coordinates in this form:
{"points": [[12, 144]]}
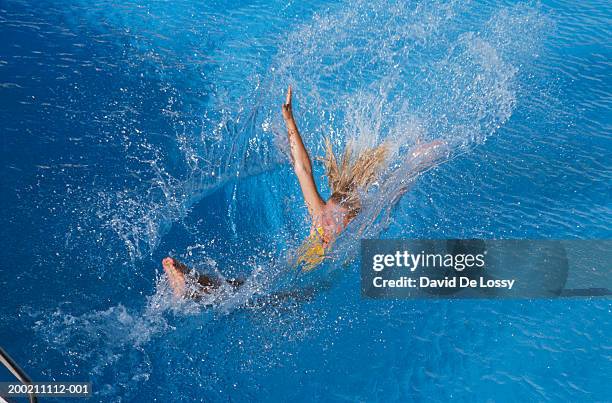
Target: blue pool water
{"points": [[132, 130]]}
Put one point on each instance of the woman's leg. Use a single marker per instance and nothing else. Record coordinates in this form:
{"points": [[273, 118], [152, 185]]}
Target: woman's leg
{"points": [[176, 275], [179, 275]]}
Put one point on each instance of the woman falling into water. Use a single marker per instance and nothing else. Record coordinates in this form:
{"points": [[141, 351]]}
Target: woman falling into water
{"points": [[349, 177]]}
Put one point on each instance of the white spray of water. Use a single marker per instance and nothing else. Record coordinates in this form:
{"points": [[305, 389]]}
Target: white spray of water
{"points": [[381, 72], [405, 73], [369, 72]]}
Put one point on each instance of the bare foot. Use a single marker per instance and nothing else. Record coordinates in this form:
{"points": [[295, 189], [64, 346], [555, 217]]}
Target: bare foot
{"points": [[175, 276]]}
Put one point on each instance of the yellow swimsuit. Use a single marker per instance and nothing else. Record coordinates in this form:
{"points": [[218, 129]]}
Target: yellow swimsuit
{"points": [[312, 251]]}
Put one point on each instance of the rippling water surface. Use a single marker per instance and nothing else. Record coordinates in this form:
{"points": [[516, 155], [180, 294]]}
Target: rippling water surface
{"points": [[133, 130]]}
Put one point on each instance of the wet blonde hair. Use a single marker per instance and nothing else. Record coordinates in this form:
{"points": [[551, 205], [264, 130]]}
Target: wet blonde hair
{"points": [[345, 179], [352, 174]]}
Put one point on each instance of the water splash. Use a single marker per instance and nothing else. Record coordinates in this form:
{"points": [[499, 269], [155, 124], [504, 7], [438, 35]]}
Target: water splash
{"points": [[401, 73], [433, 80], [407, 73]]}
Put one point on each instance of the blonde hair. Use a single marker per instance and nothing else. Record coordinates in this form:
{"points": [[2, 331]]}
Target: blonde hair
{"points": [[352, 174], [345, 181]]}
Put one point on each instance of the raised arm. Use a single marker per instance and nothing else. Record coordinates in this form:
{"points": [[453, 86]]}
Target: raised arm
{"points": [[301, 162], [427, 155]]}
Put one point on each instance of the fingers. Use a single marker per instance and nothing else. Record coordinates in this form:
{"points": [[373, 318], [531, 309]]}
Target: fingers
{"points": [[288, 100]]}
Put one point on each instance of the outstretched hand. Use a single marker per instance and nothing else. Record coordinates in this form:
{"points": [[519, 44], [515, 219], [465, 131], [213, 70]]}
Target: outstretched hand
{"points": [[287, 111]]}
